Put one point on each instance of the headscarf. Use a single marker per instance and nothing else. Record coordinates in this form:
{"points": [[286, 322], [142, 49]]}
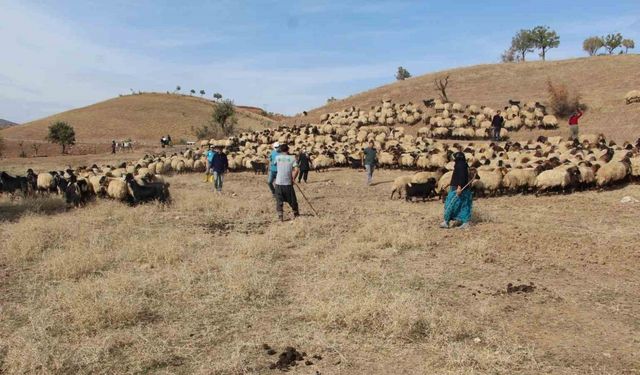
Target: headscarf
{"points": [[460, 176]]}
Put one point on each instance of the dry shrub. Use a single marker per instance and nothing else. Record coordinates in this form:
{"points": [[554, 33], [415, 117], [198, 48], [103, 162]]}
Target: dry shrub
{"points": [[562, 101]]}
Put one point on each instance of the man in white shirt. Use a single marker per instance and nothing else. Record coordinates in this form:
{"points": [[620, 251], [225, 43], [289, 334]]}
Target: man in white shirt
{"points": [[287, 171]]}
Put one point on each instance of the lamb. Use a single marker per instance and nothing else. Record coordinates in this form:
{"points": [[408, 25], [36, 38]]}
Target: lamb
{"points": [[400, 185]]}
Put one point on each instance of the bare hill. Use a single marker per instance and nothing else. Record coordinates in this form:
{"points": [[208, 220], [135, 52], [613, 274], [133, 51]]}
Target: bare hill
{"points": [[5, 123], [603, 81], [144, 118]]}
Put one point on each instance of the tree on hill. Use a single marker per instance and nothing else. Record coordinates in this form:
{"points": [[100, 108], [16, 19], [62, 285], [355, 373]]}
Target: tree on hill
{"points": [[331, 99], [402, 74], [222, 123], [178, 88], [441, 85], [612, 41], [592, 44], [202, 93], [61, 133], [217, 96], [544, 39], [522, 43], [224, 116], [628, 44], [192, 91]]}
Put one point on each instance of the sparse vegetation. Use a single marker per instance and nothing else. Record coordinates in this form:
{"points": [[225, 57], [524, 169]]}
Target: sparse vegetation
{"points": [[402, 74], [217, 96], [592, 44], [332, 99], [562, 101], [35, 147], [612, 41], [508, 56], [1, 144], [222, 123], [61, 133]]}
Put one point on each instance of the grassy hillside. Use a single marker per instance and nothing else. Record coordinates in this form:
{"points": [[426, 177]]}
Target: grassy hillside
{"points": [[143, 118], [603, 81]]}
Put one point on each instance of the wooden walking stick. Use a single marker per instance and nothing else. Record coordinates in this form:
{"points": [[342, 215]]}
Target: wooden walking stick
{"points": [[306, 199]]}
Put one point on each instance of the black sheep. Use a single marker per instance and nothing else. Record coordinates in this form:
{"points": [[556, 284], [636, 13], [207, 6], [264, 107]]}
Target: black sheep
{"points": [[12, 184], [259, 167], [148, 192], [425, 190]]}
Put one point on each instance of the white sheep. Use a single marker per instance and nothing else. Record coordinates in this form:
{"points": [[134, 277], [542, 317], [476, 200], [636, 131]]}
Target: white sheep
{"points": [[400, 185]]}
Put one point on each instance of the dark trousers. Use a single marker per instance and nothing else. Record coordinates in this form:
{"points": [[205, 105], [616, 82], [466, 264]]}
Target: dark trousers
{"points": [[303, 175], [285, 193], [496, 134]]}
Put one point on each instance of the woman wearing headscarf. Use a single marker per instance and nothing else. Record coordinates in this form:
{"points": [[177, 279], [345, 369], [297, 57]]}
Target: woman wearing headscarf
{"points": [[460, 198]]}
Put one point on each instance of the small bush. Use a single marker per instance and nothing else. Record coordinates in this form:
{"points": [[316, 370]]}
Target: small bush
{"points": [[562, 101]]}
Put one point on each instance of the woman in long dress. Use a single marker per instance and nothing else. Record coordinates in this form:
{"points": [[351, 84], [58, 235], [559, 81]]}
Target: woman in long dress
{"points": [[459, 201]]}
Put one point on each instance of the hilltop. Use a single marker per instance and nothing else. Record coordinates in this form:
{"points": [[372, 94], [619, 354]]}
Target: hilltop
{"points": [[6, 123], [602, 81], [143, 117]]}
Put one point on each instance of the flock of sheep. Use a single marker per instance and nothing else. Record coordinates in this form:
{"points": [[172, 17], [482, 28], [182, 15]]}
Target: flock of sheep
{"points": [[446, 120], [545, 165]]}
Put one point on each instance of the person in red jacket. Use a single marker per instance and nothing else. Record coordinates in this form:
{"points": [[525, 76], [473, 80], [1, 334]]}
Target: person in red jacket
{"points": [[573, 124]]}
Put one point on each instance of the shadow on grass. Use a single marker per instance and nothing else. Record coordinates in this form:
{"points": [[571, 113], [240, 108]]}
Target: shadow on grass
{"points": [[14, 210]]}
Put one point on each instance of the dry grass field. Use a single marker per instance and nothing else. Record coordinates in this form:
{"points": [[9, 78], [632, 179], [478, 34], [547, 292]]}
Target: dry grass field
{"points": [[143, 118], [370, 285], [603, 82]]}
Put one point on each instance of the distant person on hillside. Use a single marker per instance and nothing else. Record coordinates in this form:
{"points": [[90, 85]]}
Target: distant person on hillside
{"points": [[219, 166], [573, 124], [303, 163], [496, 125], [163, 141], [287, 171], [273, 170], [460, 198], [169, 141], [369, 159], [113, 146]]}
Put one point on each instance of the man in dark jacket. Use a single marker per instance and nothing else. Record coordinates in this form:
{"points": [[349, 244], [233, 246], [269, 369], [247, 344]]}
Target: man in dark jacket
{"points": [[496, 124], [219, 165], [303, 165]]}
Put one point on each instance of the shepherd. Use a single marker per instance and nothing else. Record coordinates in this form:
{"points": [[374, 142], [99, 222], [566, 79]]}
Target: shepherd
{"points": [[273, 170], [460, 198], [286, 173], [573, 124]]}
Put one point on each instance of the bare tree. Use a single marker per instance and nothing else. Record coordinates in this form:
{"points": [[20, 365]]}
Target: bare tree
{"points": [[441, 85]]}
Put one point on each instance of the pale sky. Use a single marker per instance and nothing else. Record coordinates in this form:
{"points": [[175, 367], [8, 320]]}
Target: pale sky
{"points": [[284, 56]]}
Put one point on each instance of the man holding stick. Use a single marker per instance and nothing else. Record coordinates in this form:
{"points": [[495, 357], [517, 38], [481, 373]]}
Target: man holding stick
{"points": [[287, 171]]}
